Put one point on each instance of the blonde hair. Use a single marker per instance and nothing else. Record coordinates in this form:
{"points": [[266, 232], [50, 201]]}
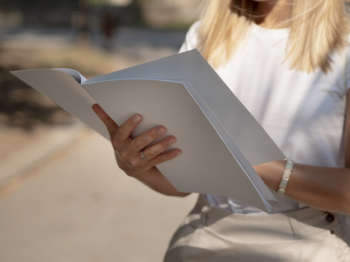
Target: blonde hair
{"points": [[317, 29]]}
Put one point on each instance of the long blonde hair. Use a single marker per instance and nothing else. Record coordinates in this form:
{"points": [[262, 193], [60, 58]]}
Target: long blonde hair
{"points": [[317, 29]]}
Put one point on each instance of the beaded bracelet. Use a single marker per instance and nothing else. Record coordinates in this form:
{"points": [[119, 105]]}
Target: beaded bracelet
{"points": [[285, 177]]}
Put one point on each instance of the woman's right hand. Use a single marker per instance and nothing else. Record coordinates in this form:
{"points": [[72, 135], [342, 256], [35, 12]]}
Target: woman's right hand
{"points": [[128, 151]]}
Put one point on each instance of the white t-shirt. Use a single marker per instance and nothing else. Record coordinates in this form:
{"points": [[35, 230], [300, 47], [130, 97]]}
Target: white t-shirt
{"points": [[303, 113]]}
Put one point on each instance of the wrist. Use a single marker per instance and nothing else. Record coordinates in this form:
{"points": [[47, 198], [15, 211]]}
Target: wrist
{"points": [[270, 173]]}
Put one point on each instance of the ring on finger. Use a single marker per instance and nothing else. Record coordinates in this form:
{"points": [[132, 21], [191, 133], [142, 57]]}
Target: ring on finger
{"points": [[143, 156]]}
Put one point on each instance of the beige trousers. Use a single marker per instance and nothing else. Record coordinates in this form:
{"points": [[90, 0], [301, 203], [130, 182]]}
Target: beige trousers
{"points": [[211, 234]]}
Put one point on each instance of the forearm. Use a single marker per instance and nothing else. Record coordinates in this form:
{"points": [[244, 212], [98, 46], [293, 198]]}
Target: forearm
{"points": [[154, 179], [320, 187]]}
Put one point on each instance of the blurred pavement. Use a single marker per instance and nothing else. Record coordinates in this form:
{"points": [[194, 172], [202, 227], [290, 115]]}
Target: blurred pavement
{"points": [[73, 204]]}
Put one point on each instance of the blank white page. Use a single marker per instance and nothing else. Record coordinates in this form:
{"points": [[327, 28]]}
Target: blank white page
{"points": [[245, 131], [206, 165], [66, 92]]}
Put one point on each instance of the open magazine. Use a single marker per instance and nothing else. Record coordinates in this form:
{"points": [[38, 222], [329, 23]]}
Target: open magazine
{"points": [[219, 138]]}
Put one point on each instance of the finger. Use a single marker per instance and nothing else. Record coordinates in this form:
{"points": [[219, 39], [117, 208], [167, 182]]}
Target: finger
{"points": [[140, 142], [124, 131], [163, 157], [108, 122], [154, 150]]}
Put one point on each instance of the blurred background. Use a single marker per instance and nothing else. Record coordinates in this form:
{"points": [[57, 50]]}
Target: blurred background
{"points": [[62, 196]]}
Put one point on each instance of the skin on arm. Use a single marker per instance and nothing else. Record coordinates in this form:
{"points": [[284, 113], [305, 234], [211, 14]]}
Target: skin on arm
{"points": [[323, 188], [128, 152], [319, 187]]}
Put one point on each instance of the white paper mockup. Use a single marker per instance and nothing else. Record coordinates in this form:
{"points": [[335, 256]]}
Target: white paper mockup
{"points": [[219, 138]]}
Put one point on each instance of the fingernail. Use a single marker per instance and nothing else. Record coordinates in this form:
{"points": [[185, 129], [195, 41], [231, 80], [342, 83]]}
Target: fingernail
{"points": [[160, 131], [136, 118], [177, 153], [171, 141]]}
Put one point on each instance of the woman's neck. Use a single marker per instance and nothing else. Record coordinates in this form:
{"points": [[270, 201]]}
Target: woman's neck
{"points": [[273, 14]]}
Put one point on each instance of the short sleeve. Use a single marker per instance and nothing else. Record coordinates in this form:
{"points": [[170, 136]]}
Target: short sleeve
{"points": [[191, 40]]}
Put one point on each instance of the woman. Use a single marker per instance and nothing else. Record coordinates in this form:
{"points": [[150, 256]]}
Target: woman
{"points": [[287, 62]]}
